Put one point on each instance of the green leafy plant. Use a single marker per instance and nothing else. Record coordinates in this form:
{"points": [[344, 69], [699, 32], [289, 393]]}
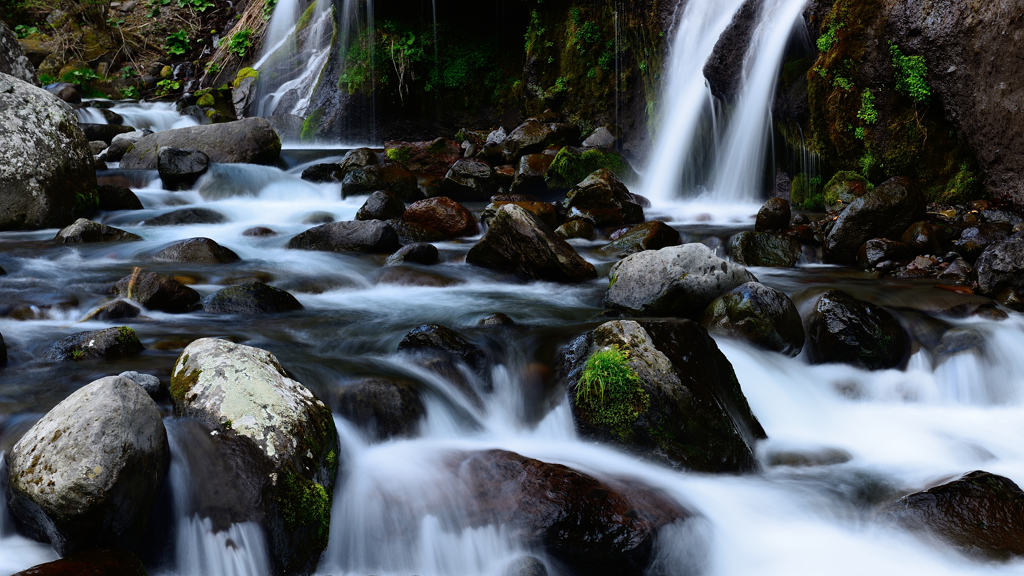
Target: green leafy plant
{"points": [[23, 31], [574, 168], [827, 40], [911, 75], [128, 72], [867, 112], [178, 43], [586, 36], [212, 68], [79, 76], [198, 5], [268, 8], [240, 42], [610, 392], [130, 93], [46, 79], [165, 87]]}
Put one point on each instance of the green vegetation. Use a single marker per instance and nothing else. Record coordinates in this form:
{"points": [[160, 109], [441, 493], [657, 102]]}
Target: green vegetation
{"points": [[47, 79], [311, 124], [80, 76], [130, 93], [165, 87], [827, 40], [205, 101], [610, 392], [197, 5], [77, 355], [268, 8], [243, 74], [911, 75], [178, 43], [805, 193], [304, 506], [574, 167], [126, 334], [240, 43], [400, 155], [23, 31]]}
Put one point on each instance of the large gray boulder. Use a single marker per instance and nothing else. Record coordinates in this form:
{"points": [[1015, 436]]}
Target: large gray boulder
{"points": [[248, 141], [661, 389], [519, 242], [674, 281], [1001, 266], [12, 58], [280, 438], [47, 176], [88, 473], [885, 212]]}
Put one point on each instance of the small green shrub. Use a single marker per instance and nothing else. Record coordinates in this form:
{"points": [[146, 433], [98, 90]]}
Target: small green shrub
{"points": [[47, 79], [574, 168], [911, 75], [80, 76], [240, 43], [867, 112], [178, 43], [165, 87], [610, 392], [827, 40], [400, 155], [198, 5], [23, 31], [128, 72], [130, 93]]}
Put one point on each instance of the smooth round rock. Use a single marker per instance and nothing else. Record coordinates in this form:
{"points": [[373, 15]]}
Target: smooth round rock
{"points": [[758, 314]]}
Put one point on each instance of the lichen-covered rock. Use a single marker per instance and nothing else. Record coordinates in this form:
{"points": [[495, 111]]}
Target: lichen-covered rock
{"points": [[12, 58], [371, 236], [249, 141], [885, 212], [979, 514], [761, 315], [279, 435], [670, 395], [652, 235], [197, 251], [47, 176], [603, 200], [520, 242], [442, 214], [88, 473], [602, 527], [250, 298], [110, 343], [1001, 266], [768, 249], [386, 408], [674, 281], [845, 330], [83, 231]]}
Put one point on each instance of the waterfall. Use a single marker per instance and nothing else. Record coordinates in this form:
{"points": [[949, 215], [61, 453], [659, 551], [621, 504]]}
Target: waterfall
{"points": [[688, 154]]}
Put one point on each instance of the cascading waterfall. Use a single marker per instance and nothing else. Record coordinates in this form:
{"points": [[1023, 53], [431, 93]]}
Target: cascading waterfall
{"points": [[687, 156]]}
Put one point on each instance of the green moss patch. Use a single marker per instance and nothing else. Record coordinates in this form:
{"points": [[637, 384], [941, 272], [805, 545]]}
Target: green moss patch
{"points": [[243, 74], [311, 124], [611, 393], [574, 167]]}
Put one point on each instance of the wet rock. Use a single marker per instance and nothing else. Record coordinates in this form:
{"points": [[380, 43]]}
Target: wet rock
{"points": [[519, 242], [12, 58], [978, 514], [386, 408], [3, 352], [381, 205], [496, 319], [110, 343], [392, 177], [88, 473], [469, 180], [358, 158], [845, 330], [120, 310], [774, 216], [926, 238], [259, 232], [371, 236], [809, 458], [180, 168], [434, 157], [652, 235], [1011, 299], [187, 216], [87, 231], [319, 218], [670, 395], [120, 144], [151, 384], [442, 214], [600, 138], [763, 316], [724, 67], [959, 341], [419, 253], [117, 198], [248, 141], [97, 146], [531, 173], [591, 526], [197, 251], [279, 438], [843, 189], [976, 239], [576, 229], [878, 250], [769, 249], [47, 177], [603, 200], [1001, 266], [436, 338], [250, 298], [674, 281], [958, 272], [885, 212], [320, 173], [533, 136], [412, 233], [91, 563], [547, 213], [405, 276], [106, 132], [1001, 216]]}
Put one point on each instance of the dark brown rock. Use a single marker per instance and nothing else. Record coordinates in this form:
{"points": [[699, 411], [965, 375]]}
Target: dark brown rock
{"points": [[197, 250], [157, 292], [773, 216], [442, 214], [371, 236], [603, 200], [91, 563]]}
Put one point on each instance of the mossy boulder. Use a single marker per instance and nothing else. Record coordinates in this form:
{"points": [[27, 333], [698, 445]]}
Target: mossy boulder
{"points": [[109, 343], [844, 188], [47, 175], [768, 249], [758, 314], [661, 389], [278, 435], [434, 157], [573, 165], [843, 329]]}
